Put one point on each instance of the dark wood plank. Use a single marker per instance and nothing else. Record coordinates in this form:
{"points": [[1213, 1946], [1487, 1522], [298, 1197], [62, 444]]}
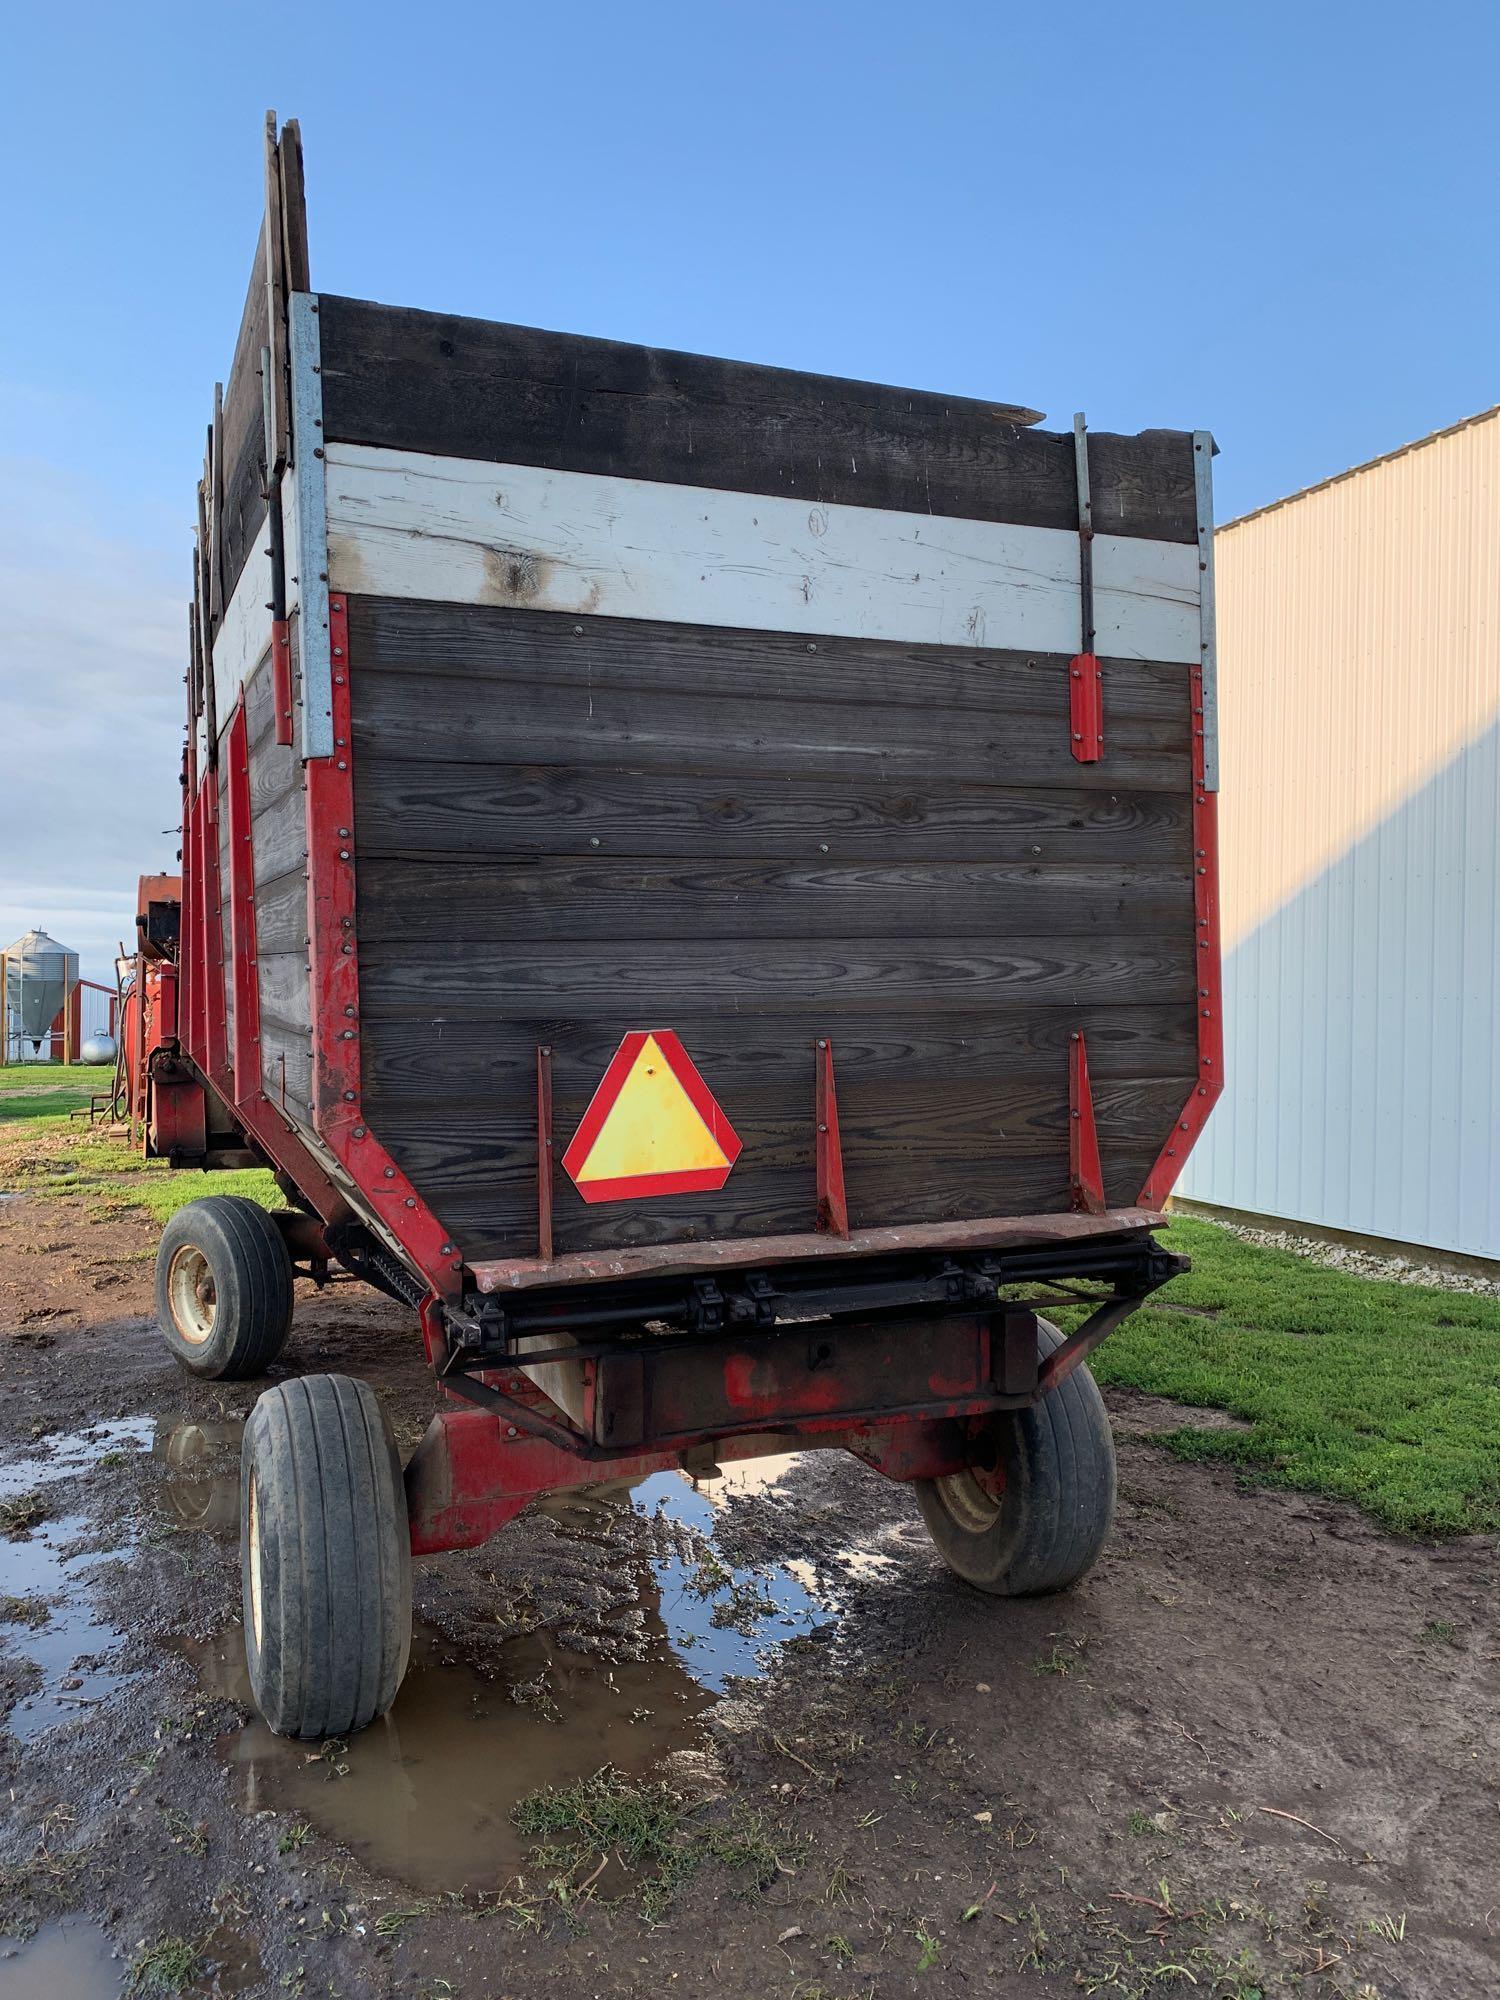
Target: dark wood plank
{"points": [[494, 643], [458, 722], [242, 431], [529, 904], [776, 1202], [619, 982], [418, 809], [467, 388], [432, 1061], [889, 1134]]}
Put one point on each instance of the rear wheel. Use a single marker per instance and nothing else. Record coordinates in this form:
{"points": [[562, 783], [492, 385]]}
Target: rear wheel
{"points": [[325, 1557], [1031, 1512], [223, 1288]]}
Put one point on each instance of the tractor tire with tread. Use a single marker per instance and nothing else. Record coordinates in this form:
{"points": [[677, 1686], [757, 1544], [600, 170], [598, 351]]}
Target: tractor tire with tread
{"points": [[223, 1288], [1035, 1522], [325, 1557]]}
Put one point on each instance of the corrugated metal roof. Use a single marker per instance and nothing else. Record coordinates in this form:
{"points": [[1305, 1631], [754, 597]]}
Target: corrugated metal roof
{"points": [[1385, 458]]}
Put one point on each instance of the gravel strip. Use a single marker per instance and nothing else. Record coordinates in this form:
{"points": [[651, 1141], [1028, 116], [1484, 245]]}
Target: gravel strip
{"points": [[1364, 1263]]}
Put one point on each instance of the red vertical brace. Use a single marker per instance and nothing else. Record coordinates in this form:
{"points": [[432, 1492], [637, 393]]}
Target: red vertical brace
{"points": [[544, 1152], [213, 1026], [1086, 707], [332, 913], [281, 678], [1085, 1175], [833, 1209], [187, 931], [242, 950], [1208, 991]]}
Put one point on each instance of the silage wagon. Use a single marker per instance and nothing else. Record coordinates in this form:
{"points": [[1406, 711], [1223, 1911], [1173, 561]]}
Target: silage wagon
{"points": [[699, 880]]}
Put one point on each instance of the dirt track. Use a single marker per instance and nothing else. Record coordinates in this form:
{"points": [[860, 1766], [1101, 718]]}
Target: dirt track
{"points": [[1259, 1752]]}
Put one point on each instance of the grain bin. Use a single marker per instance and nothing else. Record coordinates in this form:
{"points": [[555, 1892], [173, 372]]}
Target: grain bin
{"points": [[39, 975]]}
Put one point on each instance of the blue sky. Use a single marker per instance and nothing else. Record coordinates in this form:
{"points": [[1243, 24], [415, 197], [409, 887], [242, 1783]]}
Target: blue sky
{"points": [[1275, 222]]}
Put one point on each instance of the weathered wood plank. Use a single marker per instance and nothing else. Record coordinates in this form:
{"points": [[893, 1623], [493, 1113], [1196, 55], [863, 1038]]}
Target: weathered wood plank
{"points": [[413, 1061], [622, 982], [284, 985], [471, 531], [417, 809], [434, 382], [495, 644], [285, 1066], [775, 1202], [458, 722], [886, 1132], [281, 911], [243, 427], [529, 904]]}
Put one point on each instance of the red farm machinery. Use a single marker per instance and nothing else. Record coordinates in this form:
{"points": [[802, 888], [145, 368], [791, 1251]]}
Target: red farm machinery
{"points": [[699, 881]]}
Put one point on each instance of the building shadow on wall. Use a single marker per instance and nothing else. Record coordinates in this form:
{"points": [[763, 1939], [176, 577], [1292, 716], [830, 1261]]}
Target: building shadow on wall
{"points": [[1362, 1032]]}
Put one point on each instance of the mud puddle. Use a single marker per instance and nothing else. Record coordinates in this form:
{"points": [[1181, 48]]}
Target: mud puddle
{"points": [[426, 1794], [720, 1620], [46, 1567], [68, 1960]]}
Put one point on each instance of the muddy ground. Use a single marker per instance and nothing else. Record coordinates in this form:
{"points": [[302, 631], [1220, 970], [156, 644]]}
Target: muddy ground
{"points": [[1257, 1753]]}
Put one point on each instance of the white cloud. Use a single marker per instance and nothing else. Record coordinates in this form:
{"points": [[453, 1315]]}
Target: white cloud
{"points": [[93, 644]]}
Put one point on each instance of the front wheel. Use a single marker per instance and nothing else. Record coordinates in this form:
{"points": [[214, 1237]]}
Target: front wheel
{"points": [[1030, 1514], [223, 1288], [325, 1557]]}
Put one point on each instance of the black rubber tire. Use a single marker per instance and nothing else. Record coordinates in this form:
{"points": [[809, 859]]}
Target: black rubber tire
{"points": [[234, 1246], [1058, 1499], [325, 1557]]}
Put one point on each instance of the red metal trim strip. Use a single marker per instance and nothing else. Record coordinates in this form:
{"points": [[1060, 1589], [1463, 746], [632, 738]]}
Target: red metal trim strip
{"points": [[833, 1208], [1086, 707], [544, 1150], [338, 1117], [1209, 986], [1085, 1175], [281, 679], [215, 1040], [235, 777]]}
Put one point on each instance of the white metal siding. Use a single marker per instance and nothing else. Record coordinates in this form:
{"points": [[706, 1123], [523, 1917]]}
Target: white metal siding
{"points": [[1359, 688]]}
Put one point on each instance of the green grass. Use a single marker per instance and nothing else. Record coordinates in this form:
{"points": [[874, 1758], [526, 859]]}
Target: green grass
{"points": [[660, 1838], [1380, 1393], [164, 1967], [43, 1151]]}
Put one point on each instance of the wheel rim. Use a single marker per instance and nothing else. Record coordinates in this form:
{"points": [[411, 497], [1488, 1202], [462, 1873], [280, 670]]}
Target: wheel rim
{"points": [[254, 1563], [192, 1295], [972, 1498]]}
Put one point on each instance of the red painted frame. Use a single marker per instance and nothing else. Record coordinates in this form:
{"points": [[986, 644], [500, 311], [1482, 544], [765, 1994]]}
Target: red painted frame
{"points": [[833, 1205], [1209, 981], [634, 1187], [235, 779], [337, 1113], [1085, 1175]]}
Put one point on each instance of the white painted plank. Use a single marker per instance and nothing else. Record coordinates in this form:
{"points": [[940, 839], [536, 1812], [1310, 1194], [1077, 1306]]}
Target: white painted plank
{"points": [[244, 635], [404, 524]]}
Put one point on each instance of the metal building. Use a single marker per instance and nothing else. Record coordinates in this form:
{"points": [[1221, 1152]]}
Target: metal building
{"points": [[1359, 690]]}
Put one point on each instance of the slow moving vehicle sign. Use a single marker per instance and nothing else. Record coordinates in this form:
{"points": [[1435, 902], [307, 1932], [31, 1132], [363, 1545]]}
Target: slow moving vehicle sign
{"points": [[652, 1127]]}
